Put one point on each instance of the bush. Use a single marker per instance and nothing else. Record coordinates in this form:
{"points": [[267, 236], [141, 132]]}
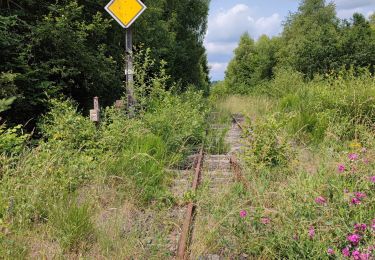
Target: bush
{"points": [[12, 140], [267, 145]]}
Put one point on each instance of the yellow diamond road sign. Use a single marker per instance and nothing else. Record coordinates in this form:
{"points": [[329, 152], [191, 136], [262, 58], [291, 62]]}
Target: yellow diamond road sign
{"points": [[125, 12]]}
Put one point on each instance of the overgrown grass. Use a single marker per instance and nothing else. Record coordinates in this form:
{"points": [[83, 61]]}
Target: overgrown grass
{"points": [[128, 156], [309, 158]]}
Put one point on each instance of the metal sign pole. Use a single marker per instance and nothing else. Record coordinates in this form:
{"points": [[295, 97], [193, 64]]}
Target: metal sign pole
{"points": [[129, 71]]}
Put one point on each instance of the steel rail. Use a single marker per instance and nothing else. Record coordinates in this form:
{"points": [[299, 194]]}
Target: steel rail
{"points": [[186, 230]]}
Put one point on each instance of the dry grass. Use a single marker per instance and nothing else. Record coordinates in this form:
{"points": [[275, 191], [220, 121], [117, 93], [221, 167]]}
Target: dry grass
{"points": [[249, 106]]}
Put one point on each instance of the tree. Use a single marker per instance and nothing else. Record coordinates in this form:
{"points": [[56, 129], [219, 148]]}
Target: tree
{"points": [[357, 43], [239, 76], [73, 48], [372, 20], [310, 38]]}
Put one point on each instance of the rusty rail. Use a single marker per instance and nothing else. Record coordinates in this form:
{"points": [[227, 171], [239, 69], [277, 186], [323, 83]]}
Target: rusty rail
{"points": [[184, 238]]}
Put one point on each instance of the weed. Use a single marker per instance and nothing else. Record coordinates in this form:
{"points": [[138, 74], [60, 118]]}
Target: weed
{"points": [[72, 226]]}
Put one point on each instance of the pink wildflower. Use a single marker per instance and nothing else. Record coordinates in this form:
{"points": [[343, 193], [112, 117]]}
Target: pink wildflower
{"points": [[356, 255], [353, 156], [355, 201], [265, 221], [243, 213], [330, 251], [311, 232], [372, 179], [354, 239], [346, 252], [341, 168], [360, 195], [360, 227], [364, 256], [321, 200]]}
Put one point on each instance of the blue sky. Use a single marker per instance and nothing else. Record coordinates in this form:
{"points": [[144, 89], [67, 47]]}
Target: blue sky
{"points": [[229, 19]]}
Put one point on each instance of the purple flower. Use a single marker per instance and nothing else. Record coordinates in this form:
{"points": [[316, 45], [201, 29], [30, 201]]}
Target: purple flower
{"points": [[346, 252], [354, 239], [265, 221], [311, 232], [353, 156], [243, 213], [341, 168], [355, 201], [372, 179], [360, 227], [330, 251], [364, 256], [360, 195], [321, 200], [356, 255]]}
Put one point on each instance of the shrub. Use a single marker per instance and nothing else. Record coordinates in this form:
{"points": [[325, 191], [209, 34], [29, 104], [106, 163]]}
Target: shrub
{"points": [[267, 145], [12, 140]]}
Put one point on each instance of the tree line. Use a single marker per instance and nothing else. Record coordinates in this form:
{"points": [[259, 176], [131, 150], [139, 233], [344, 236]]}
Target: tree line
{"points": [[72, 48], [314, 41]]}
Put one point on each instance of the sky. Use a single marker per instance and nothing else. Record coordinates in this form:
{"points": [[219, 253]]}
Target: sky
{"points": [[229, 19]]}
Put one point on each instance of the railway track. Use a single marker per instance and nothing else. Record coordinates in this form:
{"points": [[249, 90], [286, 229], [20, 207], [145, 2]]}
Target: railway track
{"points": [[216, 170]]}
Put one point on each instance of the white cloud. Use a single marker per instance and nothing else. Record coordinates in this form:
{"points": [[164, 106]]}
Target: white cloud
{"points": [[217, 69], [228, 25], [352, 4], [225, 28], [220, 47]]}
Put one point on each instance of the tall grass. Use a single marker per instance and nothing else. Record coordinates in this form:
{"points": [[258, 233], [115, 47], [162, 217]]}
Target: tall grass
{"points": [[309, 159]]}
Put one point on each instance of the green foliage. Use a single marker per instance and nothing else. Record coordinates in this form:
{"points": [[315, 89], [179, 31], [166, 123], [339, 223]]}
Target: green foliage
{"points": [[314, 41], [342, 104], [75, 49], [12, 140], [267, 144], [5, 104], [238, 77], [72, 226], [309, 38]]}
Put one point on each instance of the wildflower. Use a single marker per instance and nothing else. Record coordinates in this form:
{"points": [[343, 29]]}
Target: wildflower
{"points": [[265, 221], [364, 256], [353, 156], [373, 226], [321, 200], [330, 251], [354, 239], [372, 179], [346, 252], [364, 150], [311, 232], [341, 168], [355, 201], [360, 195], [243, 213], [360, 227], [356, 255]]}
